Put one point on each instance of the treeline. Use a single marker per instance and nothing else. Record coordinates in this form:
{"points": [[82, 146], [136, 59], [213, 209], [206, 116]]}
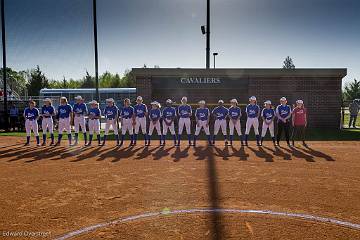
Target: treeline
{"points": [[30, 82]]}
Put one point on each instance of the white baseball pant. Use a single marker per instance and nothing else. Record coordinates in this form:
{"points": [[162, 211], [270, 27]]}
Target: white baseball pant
{"points": [[220, 124], [265, 127], [202, 125], [166, 127], [156, 126], [184, 122], [94, 126], [79, 121], [111, 123], [140, 123], [31, 125], [127, 126], [236, 126], [47, 124], [64, 124], [252, 122]]}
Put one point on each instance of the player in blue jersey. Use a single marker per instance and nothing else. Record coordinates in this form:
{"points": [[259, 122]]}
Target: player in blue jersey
{"points": [[234, 123], [268, 116], [80, 111], [31, 115], [220, 114], [185, 113], [64, 113], [283, 113], [47, 123], [168, 117], [202, 117], [127, 121], [154, 117], [253, 113], [111, 112], [94, 122], [141, 113]]}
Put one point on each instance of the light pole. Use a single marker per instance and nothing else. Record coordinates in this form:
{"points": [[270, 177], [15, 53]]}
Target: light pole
{"points": [[206, 31], [4, 64], [97, 97], [215, 54]]}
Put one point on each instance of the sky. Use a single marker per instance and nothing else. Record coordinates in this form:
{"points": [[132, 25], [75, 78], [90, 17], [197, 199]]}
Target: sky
{"points": [[57, 35]]}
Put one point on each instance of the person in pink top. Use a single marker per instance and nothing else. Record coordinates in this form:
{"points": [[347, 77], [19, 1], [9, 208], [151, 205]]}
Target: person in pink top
{"points": [[299, 122]]}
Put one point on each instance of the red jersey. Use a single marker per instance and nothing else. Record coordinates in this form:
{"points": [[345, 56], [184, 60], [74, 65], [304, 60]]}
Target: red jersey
{"points": [[299, 116]]}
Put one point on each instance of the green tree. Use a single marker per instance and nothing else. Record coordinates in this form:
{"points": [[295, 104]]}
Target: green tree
{"points": [[37, 81], [352, 90], [288, 63], [16, 81], [128, 80], [88, 81]]}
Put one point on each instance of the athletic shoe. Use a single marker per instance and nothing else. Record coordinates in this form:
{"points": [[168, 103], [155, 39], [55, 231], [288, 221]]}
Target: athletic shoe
{"points": [[38, 144], [305, 145], [56, 144], [26, 144], [52, 143], [43, 144], [74, 144]]}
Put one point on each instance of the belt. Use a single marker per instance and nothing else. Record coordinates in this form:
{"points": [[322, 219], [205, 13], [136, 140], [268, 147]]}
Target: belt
{"points": [[184, 117], [140, 117], [46, 116], [64, 117], [30, 119], [127, 117], [110, 119]]}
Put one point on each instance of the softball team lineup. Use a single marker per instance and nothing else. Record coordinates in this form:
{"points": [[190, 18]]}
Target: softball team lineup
{"points": [[133, 120]]}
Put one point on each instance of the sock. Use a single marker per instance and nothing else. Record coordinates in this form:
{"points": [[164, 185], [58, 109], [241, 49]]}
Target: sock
{"points": [[273, 139], [52, 137], [231, 139], [189, 138], [163, 137], [148, 138], [27, 139], [69, 138], [214, 139], [122, 139], [98, 138], [59, 138], [209, 139], [135, 137], [257, 139], [44, 138], [90, 138], [246, 138], [104, 140], [145, 138], [174, 137], [85, 138], [37, 139], [76, 137], [132, 139], [117, 138], [179, 139], [262, 140], [242, 139], [225, 138], [194, 140]]}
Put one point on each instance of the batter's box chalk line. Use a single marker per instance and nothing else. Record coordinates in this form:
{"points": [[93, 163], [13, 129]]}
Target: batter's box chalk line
{"points": [[167, 211]]}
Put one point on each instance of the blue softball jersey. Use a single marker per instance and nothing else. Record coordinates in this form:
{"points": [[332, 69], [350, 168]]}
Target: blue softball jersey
{"points": [[127, 112], [202, 114], [140, 110], [283, 110], [111, 112], [155, 114], [80, 108], [169, 112], [64, 111], [268, 114], [31, 114], [94, 112], [47, 110], [234, 112], [220, 112], [184, 111], [252, 111]]}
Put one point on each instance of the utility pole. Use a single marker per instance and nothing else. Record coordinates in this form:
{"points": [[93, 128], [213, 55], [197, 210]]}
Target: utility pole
{"points": [[97, 97], [6, 116]]}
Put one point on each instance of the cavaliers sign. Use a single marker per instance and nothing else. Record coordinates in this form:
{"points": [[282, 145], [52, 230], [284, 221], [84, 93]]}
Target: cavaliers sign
{"points": [[200, 80]]}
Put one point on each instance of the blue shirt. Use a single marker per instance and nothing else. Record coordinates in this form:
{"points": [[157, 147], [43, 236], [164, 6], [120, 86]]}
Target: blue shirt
{"points": [[220, 112], [155, 114], [111, 112], [47, 110], [268, 114], [31, 114], [64, 111], [94, 112], [283, 111], [234, 112], [184, 111], [80, 108], [127, 112], [252, 111], [140, 110], [14, 112], [169, 113], [202, 114]]}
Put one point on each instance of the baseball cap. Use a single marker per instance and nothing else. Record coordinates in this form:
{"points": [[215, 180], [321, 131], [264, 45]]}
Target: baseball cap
{"points": [[300, 101], [110, 100], [233, 101], [221, 101], [78, 98], [169, 101], [283, 99], [267, 102], [47, 100], [139, 98], [93, 102], [252, 98], [184, 99], [202, 102]]}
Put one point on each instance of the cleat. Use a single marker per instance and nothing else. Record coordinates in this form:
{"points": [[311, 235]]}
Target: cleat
{"points": [[26, 144], [43, 144]]}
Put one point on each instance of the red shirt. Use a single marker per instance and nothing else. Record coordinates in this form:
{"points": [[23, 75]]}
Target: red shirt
{"points": [[299, 116]]}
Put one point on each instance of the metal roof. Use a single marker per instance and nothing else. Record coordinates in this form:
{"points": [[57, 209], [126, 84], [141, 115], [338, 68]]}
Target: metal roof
{"points": [[88, 90]]}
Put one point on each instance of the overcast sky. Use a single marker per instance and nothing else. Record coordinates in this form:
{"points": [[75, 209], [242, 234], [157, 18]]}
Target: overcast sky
{"points": [[57, 34]]}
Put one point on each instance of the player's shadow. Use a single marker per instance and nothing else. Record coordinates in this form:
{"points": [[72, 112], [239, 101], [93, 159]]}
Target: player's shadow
{"points": [[89, 152], [161, 152], [261, 153], [298, 154], [124, 153], [224, 153], [47, 153], [146, 152], [318, 154], [240, 153], [18, 154], [180, 154], [202, 153], [278, 152]]}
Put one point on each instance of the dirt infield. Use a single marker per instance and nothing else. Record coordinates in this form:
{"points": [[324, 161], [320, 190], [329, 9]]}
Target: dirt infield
{"points": [[59, 190]]}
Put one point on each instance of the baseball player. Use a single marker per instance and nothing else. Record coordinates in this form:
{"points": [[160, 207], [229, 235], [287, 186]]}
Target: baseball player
{"points": [[111, 112], [47, 114], [94, 122], [141, 113], [169, 115], [299, 122], [234, 123], [184, 112], [268, 116], [64, 113], [154, 116], [127, 121], [202, 117], [253, 113], [31, 115], [283, 113], [220, 113], [80, 111]]}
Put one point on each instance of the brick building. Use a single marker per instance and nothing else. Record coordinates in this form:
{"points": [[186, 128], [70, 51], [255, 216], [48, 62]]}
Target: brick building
{"points": [[319, 88]]}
